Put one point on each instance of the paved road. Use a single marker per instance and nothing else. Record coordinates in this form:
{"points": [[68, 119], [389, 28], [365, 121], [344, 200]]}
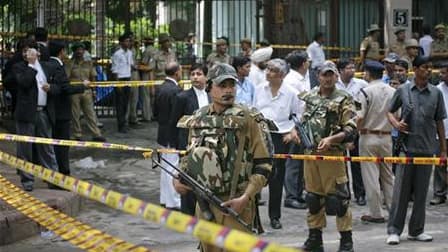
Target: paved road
{"points": [[127, 173]]}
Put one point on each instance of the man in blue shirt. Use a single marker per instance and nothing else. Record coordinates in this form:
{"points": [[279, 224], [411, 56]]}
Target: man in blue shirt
{"points": [[244, 89]]}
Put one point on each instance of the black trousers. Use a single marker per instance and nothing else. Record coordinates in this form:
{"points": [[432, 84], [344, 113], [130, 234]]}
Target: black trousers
{"points": [[61, 130], [121, 103], [188, 203], [277, 177], [358, 184]]}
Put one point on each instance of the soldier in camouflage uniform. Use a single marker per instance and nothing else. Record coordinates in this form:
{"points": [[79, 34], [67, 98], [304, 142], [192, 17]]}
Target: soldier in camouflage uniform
{"points": [[328, 118], [229, 150]]}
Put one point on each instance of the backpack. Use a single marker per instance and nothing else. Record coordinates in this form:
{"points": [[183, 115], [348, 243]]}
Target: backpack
{"points": [[216, 142]]}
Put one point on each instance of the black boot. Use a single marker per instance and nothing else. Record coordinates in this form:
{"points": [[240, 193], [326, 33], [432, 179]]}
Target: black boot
{"points": [[346, 243], [314, 242]]}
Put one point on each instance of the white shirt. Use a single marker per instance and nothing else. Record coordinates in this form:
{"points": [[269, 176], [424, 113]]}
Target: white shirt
{"points": [[277, 108], [353, 86], [41, 79], [298, 81], [425, 42], [316, 53], [444, 88], [121, 63], [201, 96], [256, 75]]}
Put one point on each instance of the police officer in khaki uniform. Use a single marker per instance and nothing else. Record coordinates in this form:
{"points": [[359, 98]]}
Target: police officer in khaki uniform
{"points": [[370, 48], [162, 57], [246, 138], [398, 46], [220, 55], [328, 118], [78, 69], [375, 141], [439, 47], [412, 49]]}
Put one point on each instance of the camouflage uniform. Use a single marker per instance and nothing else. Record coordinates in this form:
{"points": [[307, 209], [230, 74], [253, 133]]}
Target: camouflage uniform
{"points": [[397, 47], [323, 117], [214, 169], [215, 57], [161, 59], [371, 48]]}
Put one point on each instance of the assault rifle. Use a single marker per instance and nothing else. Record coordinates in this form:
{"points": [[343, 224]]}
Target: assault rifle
{"points": [[204, 195], [305, 139], [399, 145]]}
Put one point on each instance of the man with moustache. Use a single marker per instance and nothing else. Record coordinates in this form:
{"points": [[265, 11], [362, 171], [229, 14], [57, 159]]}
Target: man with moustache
{"points": [[246, 167], [186, 103], [426, 109], [328, 118]]}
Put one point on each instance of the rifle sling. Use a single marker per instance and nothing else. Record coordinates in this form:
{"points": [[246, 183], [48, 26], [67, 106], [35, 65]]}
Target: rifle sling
{"points": [[239, 156]]}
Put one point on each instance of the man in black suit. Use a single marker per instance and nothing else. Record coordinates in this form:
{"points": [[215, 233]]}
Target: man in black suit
{"points": [[35, 111], [61, 128], [9, 80], [166, 137], [186, 103]]}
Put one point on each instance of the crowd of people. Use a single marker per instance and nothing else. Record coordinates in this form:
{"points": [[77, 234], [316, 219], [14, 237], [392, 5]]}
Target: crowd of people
{"points": [[241, 109]]}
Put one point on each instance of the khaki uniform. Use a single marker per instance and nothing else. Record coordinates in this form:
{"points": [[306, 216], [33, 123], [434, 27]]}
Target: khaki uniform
{"points": [[215, 57], [375, 141], [439, 46], [147, 58], [79, 71], [397, 47], [256, 159], [371, 47], [324, 117], [134, 91], [409, 60], [161, 59]]}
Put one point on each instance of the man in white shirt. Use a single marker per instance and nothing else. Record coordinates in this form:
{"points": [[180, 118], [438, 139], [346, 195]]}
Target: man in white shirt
{"points": [[277, 102], [257, 74], [440, 174], [166, 132], [352, 85], [122, 62], [298, 79], [35, 111], [426, 40], [316, 53]]}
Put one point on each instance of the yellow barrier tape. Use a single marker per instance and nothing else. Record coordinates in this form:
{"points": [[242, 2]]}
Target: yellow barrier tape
{"points": [[71, 230], [42, 140], [209, 232], [395, 160], [112, 38], [128, 83]]}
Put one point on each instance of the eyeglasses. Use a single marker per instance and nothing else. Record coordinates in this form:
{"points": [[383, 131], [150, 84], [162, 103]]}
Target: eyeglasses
{"points": [[273, 69]]}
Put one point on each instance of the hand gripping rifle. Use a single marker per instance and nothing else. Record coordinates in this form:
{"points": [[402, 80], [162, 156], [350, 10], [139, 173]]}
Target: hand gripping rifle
{"points": [[204, 195], [305, 139]]}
